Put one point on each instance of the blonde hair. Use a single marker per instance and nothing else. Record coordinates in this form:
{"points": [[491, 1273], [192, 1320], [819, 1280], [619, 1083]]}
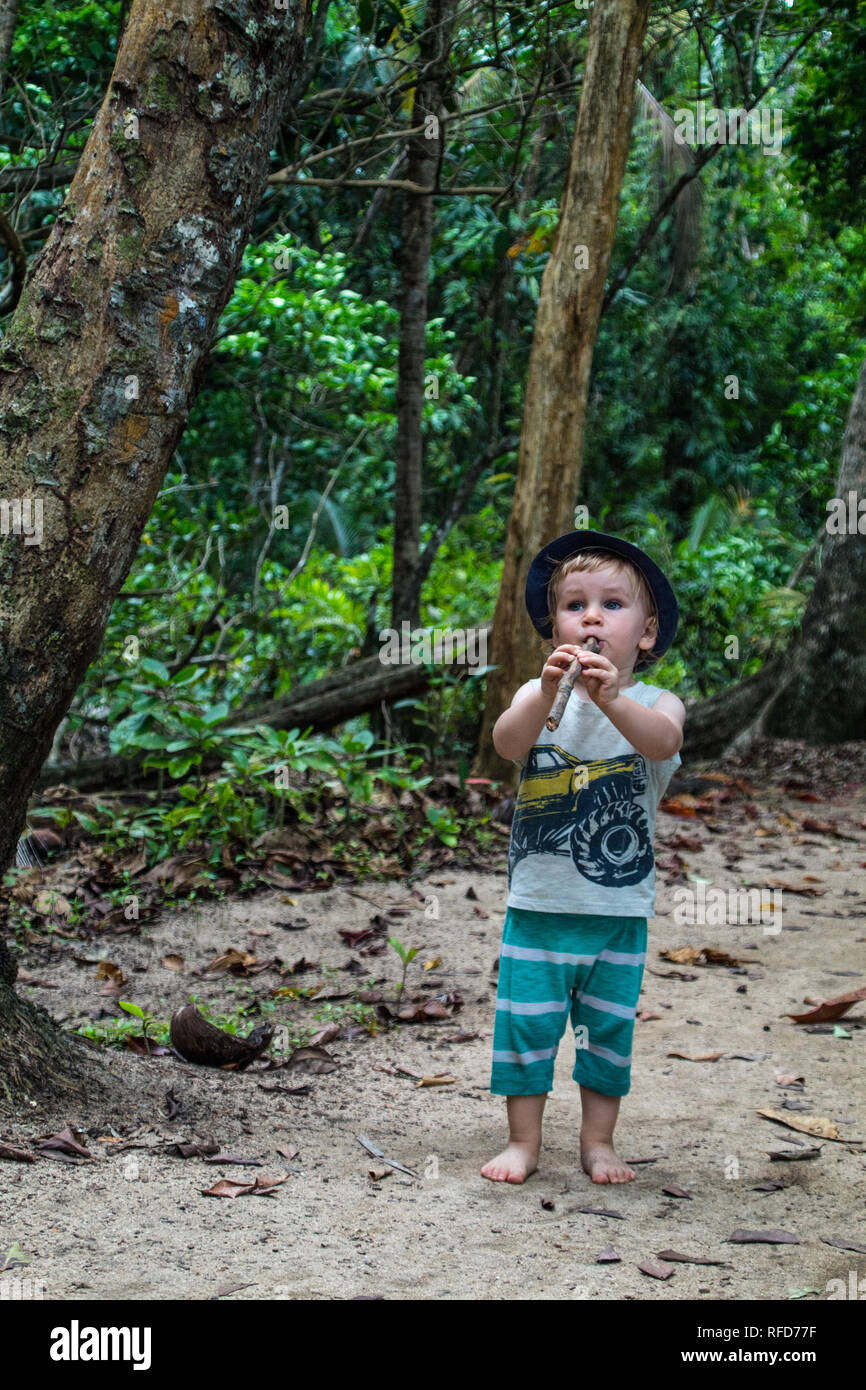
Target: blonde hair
{"points": [[588, 561]]}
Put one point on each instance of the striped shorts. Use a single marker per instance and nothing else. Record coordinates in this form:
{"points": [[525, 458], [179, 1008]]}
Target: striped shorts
{"points": [[555, 962]]}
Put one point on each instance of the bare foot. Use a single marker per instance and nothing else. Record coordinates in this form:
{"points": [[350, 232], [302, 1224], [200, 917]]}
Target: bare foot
{"points": [[514, 1164], [602, 1164]]}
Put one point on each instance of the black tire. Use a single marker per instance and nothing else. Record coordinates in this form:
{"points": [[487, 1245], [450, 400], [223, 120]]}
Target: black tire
{"points": [[611, 845]]}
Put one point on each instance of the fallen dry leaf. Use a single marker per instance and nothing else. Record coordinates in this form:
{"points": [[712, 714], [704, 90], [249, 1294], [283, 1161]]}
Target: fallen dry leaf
{"points": [[107, 970], [49, 903], [701, 955], [65, 1143], [16, 1155], [673, 1190], [792, 1155], [24, 978], [774, 1237], [829, 1009], [677, 1258], [441, 1080], [233, 1158], [825, 827], [700, 1057], [787, 1078], [843, 1243], [312, 1059], [656, 1271], [820, 1127], [607, 1256], [804, 887], [173, 961], [262, 1187], [238, 962]]}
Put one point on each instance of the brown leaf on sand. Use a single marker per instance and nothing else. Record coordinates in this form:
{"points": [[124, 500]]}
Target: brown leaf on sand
{"points": [[144, 1046], [65, 1143], [792, 1155], [203, 1150], [608, 1256], [805, 886], [262, 1187], [787, 1078], [231, 959], [312, 1059], [825, 827], [114, 977], [289, 1153], [645, 1015], [673, 1190], [843, 1243], [818, 1126], [24, 978], [16, 1155], [199, 1041], [675, 1257], [233, 1158], [828, 1009], [48, 903], [701, 955], [656, 1271], [701, 1057], [774, 1237], [173, 961]]}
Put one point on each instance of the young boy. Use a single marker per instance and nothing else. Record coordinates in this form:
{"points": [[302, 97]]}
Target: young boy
{"points": [[581, 873]]}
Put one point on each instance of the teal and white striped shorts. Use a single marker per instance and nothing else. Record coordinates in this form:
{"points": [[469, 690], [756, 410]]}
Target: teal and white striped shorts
{"points": [[553, 963]]}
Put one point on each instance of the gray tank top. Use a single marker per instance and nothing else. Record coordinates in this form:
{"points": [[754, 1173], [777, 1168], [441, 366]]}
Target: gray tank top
{"points": [[581, 838]]}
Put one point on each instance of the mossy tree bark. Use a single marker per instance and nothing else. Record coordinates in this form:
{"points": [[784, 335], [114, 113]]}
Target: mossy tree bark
{"points": [[566, 324], [102, 360]]}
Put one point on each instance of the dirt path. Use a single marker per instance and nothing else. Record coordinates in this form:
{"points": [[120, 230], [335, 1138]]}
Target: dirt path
{"points": [[134, 1225]]}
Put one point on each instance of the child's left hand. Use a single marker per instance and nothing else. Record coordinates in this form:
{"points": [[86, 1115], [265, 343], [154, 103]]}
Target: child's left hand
{"points": [[600, 678]]}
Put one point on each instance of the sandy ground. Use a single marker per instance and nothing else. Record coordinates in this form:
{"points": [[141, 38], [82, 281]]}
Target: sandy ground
{"points": [[134, 1225]]}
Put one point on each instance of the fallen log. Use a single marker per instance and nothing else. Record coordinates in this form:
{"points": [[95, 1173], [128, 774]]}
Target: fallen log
{"points": [[321, 704]]}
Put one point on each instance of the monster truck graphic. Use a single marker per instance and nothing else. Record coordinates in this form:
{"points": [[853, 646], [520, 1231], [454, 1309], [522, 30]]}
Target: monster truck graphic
{"points": [[585, 809]]}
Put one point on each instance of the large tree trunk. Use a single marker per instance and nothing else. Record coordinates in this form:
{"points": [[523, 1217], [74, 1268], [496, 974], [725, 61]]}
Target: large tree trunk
{"points": [[821, 697], [103, 357], [425, 155], [816, 691], [565, 330]]}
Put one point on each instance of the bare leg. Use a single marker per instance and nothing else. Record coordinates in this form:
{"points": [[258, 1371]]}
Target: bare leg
{"points": [[597, 1153], [520, 1157]]}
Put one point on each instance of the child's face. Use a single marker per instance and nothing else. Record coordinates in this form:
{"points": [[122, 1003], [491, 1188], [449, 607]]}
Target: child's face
{"points": [[600, 604]]}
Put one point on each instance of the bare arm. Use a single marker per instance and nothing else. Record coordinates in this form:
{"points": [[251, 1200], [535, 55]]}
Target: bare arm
{"points": [[656, 732], [517, 729]]}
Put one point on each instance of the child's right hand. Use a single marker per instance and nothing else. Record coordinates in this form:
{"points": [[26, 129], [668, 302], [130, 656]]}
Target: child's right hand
{"points": [[555, 668]]}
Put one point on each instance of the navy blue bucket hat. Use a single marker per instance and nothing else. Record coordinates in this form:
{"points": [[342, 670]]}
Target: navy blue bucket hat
{"points": [[564, 547]]}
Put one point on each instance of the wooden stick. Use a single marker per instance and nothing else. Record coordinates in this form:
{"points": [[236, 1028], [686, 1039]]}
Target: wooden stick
{"points": [[566, 685]]}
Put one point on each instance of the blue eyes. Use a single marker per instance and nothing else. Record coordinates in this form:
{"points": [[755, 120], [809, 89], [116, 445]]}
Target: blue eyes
{"points": [[576, 603]]}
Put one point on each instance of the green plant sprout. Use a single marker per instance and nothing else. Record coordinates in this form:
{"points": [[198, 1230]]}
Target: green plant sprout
{"points": [[406, 955]]}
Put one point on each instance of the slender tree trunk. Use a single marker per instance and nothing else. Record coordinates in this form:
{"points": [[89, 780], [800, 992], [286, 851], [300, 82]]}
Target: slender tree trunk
{"points": [[565, 330], [103, 357], [8, 22], [424, 157]]}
